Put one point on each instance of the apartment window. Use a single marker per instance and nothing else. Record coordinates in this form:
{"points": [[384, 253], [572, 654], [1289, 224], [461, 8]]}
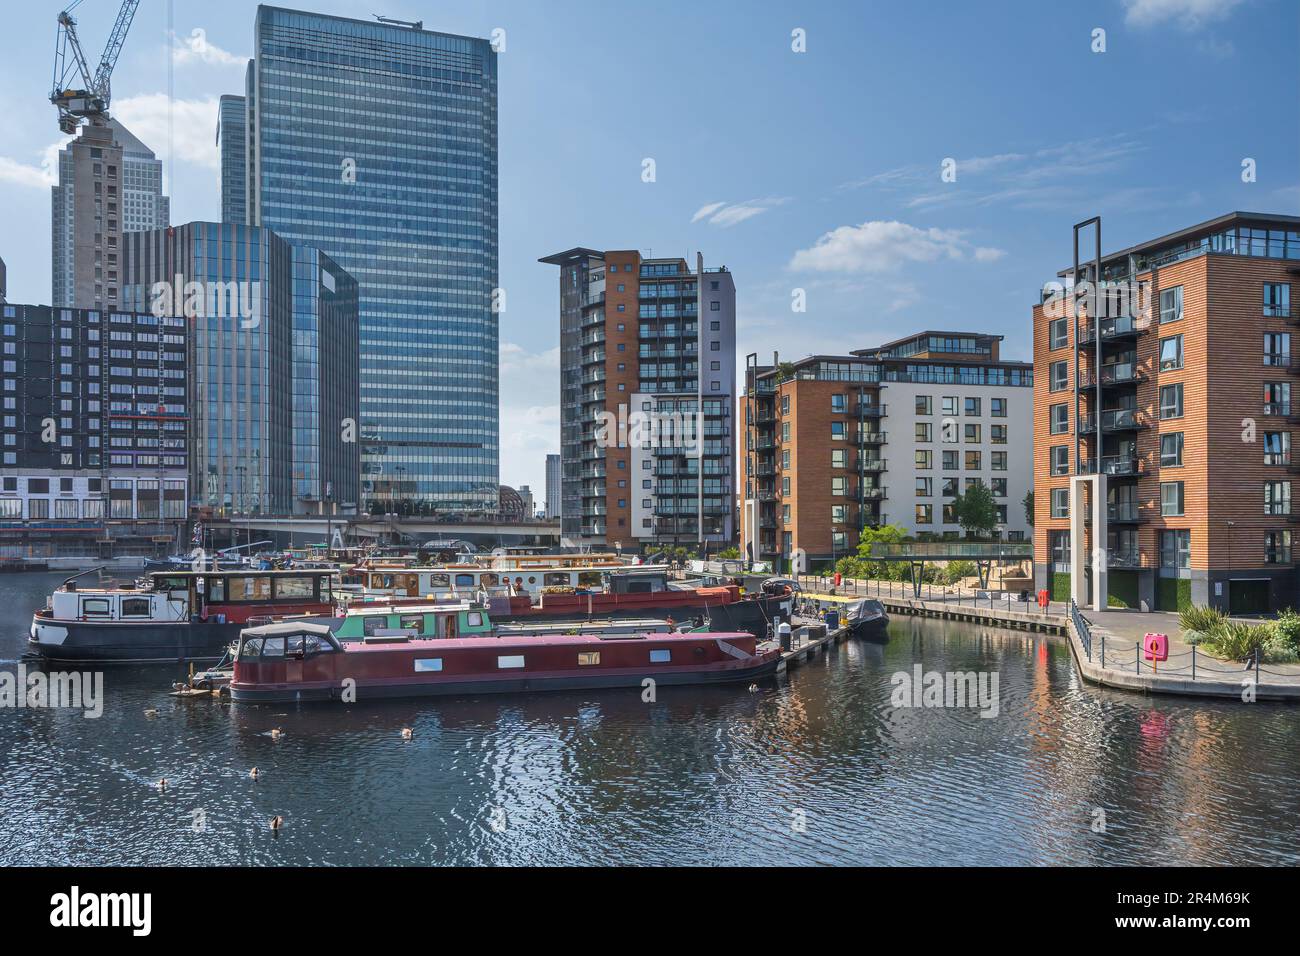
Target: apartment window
{"points": [[998, 407], [837, 403], [785, 431], [1171, 498], [1277, 448], [972, 461], [1171, 304], [1277, 547], [925, 514], [838, 486], [924, 487], [924, 405], [1059, 333], [785, 459], [1171, 401], [1175, 552], [998, 434], [950, 461], [973, 432], [1171, 450], [1277, 497], [949, 514], [973, 406], [839, 540], [838, 458], [785, 485], [949, 489], [785, 404], [999, 462], [924, 458], [1060, 377], [1060, 502], [1277, 348], [1277, 398], [950, 404], [1060, 459], [999, 486], [1059, 419], [785, 514], [38, 508], [1171, 353], [837, 431], [1277, 300], [837, 514], [923, 431]]}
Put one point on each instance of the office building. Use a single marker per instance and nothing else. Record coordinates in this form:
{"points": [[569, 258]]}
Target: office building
{"points": [[1164, 416], [273, 359], [376, 143], [93, 456], [232, 140], [552, 486], [647, 381], [109, 184], [887, 435]]}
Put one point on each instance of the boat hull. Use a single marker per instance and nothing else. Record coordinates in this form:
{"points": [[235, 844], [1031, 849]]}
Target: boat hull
{"points": [[533, 683], [153, 642]]}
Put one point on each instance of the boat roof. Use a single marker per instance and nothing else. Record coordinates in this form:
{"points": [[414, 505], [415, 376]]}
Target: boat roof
{"points": [[523, 642], [375, 607], [286, 627], [243, 572]]}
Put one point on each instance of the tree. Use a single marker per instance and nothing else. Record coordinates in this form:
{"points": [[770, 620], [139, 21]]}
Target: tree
{"points": [[1028, 504], [784, 372], [976, 511], [861, 565]]}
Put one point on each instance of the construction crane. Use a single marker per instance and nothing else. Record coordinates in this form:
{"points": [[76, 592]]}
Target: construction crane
{"points": [[77, 94]]}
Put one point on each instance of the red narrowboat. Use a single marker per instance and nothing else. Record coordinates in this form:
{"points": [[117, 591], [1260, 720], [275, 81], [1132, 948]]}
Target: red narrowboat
{"points": [[305, 661]]}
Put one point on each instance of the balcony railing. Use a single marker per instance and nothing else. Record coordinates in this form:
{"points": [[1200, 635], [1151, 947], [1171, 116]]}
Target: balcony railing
{"points": [[1115, 328], [1115, 466], [1123, 559], [1122, 513], [1117, 373], [1113, 420]]}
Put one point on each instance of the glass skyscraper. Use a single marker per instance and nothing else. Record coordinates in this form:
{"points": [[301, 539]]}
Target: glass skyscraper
{"points": [[232, 138], [377, 144]]}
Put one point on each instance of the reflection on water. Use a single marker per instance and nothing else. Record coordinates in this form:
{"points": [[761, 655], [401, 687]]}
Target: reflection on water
{"points": [[815, 767]]}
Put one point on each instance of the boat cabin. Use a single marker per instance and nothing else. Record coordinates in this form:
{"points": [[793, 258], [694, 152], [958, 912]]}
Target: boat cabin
{"points": [[437, 621]]}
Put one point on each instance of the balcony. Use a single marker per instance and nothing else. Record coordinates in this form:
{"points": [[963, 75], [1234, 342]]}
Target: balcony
{"points": [[1123, 559], [1126, 513], [872, 464], [871, 411], [1113, 420], [1116, 373], [1114, 329], [871, 494], [872, 438], [1115, 466]]}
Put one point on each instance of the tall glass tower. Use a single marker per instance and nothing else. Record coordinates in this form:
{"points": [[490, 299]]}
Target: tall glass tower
{"points": [[377, 144]]}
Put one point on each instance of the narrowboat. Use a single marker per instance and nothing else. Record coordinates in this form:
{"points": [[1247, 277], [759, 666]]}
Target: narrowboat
{"points": [[466, 619], [170, 616], [294, 661]]}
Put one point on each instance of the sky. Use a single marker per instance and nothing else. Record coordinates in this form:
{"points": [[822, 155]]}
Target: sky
{"points": [[800, 144]]}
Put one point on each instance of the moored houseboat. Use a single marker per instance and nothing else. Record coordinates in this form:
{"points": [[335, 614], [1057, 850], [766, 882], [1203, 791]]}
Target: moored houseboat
{"points": [[170, 616], [304, 661]]}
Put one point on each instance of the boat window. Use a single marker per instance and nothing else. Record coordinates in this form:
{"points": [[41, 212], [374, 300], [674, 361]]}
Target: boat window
{"points": [[216, 589], [372, 624], [474, 619], [274, 647], [489, 580], [639, 587], [294, 645], [288, 588], [589, 579], [464, 580], [438, 580], [428, 664], [249, 589], [135, 607], [532, 580], [412, 621], [252, 648], [588, 657], [318, 645], [506, 661], [661, 656], [557, 578], [94, 607]]}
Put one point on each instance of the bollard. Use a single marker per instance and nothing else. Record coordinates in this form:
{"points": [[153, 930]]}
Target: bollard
{"points": [[783, 631], [1193, 662], [1137, 657]]}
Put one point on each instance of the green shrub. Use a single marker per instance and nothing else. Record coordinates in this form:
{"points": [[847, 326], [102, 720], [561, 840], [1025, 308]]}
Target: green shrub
{"points": [[957, 570], [1287, 628], [1238, 640], [1204, 619]]}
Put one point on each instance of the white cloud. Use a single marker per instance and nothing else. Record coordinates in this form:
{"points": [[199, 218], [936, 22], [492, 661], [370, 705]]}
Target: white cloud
{"points": [[529, 430], [193, 125], [1189, 14], [196, 48], [883, 247], [730, 214]]}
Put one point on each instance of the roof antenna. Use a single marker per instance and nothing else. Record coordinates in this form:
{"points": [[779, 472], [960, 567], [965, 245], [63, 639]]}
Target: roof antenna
{"points": [[413, 24]]}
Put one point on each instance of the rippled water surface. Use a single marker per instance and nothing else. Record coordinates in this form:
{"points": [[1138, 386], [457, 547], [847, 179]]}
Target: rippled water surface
{"points": [[813, 768]]}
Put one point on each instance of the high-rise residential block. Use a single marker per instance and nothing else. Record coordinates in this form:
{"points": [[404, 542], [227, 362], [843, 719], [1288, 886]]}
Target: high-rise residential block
{"points": [[376, 143], [109, 184], [647, 381], [885, 435], [552, 486], [273, 353], [1164, 415], [232, 140]]}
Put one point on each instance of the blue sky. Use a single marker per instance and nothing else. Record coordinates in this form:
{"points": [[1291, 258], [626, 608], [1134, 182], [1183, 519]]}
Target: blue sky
{"points": [[817, 170]]}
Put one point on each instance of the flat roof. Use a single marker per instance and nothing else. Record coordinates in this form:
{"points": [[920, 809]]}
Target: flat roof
{"points": [[569, 255]]}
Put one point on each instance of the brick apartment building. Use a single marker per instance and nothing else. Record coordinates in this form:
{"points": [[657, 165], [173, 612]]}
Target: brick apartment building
{"points": [[1192, 449], [886, 435]]}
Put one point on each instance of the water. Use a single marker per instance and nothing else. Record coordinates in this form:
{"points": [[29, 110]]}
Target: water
{"points": [[704, 776]]}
